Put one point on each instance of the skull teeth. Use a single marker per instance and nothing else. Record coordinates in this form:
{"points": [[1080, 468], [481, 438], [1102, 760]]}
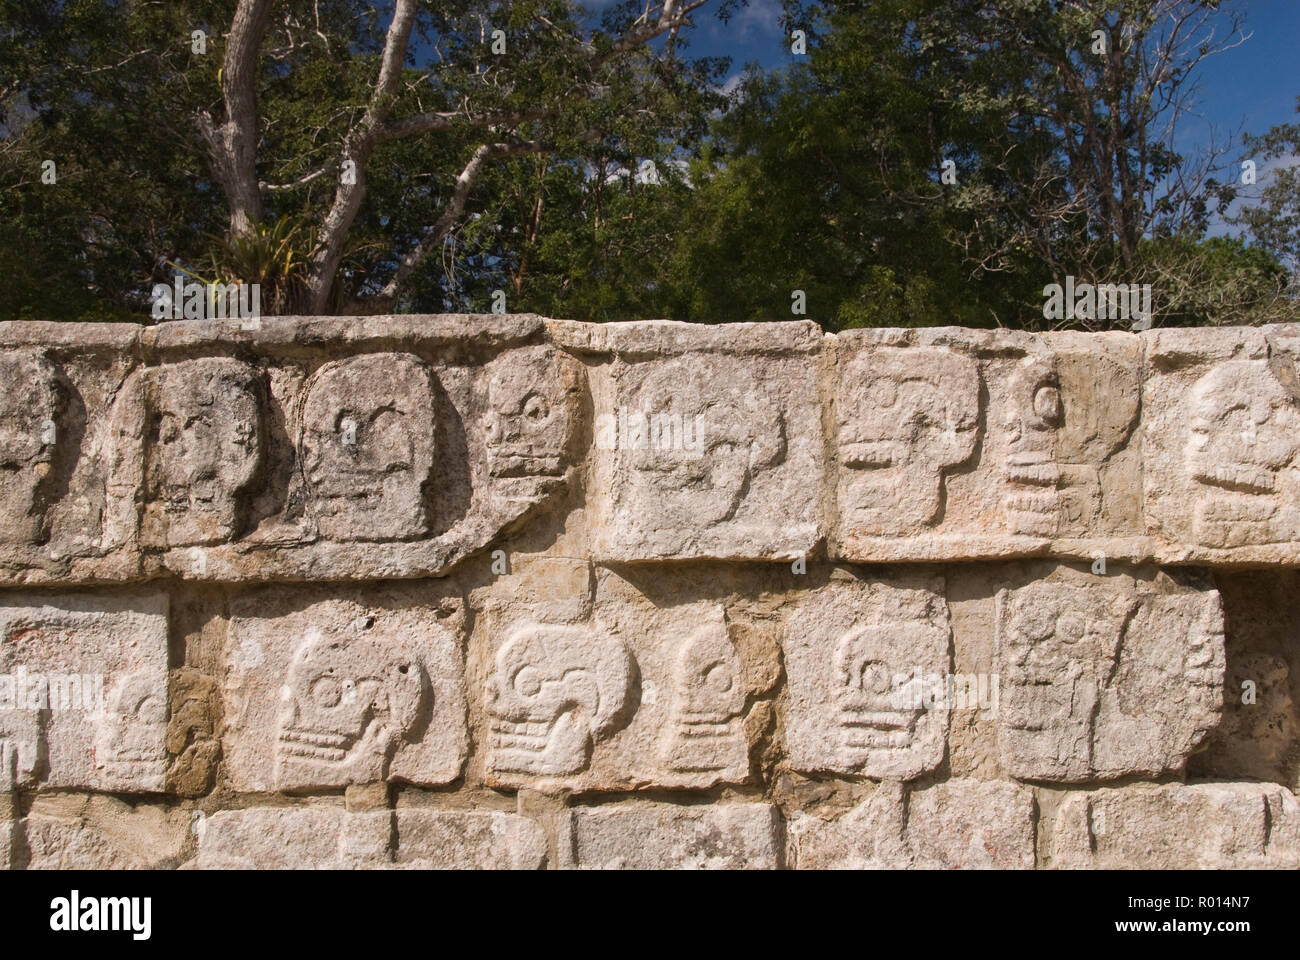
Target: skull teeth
{"points": [[314, 744]]}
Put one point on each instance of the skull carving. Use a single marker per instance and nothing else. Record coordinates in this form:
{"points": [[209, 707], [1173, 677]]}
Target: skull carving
{"points": [[349, 704], [1034, 415], [701, 446], [206, 450], [874, 716], [709, 700], [1245, 430], [533, 404], [555, 692], [1058, 650], [129, 744], [906, 416], [367, 446], [30, 411]]}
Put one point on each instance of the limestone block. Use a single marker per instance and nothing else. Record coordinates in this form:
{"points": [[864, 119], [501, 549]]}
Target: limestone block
{"points": [[317, 837], [636, 695], [959, 824], [857, 654], [326, 691], [60, 503], [657, 836], [70, 832], [30, 414], [468, 840], [705, 452], [1108, 678], [83, 690], [328, 837], [1179, 826], [367, 446], [1221, 418], [963, 444], [204, 424]]}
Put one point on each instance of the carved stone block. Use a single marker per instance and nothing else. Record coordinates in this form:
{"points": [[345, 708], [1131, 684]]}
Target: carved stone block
{"points": [[962, 444], [83, 690], [31, 424], [203, 450], [858, 657], [1221, 421], [326, 692], [1108, 678], [707, 454], [366, 445], [1179, 826], [636, 695], [465, 840]]}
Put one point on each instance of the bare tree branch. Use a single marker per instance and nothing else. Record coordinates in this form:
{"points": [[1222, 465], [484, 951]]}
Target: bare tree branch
{"points": [[233, 143]]}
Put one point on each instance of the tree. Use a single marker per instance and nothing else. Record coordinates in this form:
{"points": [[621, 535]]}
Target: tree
{"points": [[1271, 211], [307, 121], [544, 89]]}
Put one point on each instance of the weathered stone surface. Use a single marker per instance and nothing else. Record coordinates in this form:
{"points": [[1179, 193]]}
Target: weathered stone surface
{"points": [[30, 415], [635, 695], [367, 446], [317, 837], [83, 689], [58, 453], [1221, 415], [1106, 679], [656, 836], [343, 690], [1179, 826], [706, 454], [858, 653], [204, 449], [960, 824], [396, 464], [461, 840], [1258, 736], [962, 444], [69, 832], [328, 837]]}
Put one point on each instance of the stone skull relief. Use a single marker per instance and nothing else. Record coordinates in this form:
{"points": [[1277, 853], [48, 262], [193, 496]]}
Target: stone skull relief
{"points": [[367, 446], [348, 704], [206, 449], [1245, 431], [905, 417], [30, 408], [534, 396], [556, 690], [708, 701], [704, 441]]}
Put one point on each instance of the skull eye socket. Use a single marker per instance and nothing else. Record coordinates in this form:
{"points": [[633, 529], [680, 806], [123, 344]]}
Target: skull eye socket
{"points": [[1047, 403], [528, 682], [718, 678], [875, 678], [536, 408], [327, 692]]}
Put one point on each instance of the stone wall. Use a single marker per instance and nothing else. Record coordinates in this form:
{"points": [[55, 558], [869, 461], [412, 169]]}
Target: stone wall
{"points": [[501, 591]]}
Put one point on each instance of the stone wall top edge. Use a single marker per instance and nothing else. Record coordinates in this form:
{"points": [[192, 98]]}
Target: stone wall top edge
{"points": [[487, 330], [84, 336], [631, 339]]}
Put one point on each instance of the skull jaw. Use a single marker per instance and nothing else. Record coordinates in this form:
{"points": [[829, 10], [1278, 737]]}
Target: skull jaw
{"points": [[559, 748], [364, 761]]}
